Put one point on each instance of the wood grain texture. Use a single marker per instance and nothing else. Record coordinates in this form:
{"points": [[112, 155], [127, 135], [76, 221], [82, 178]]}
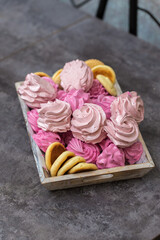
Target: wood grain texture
{"points": [[84, 178]]}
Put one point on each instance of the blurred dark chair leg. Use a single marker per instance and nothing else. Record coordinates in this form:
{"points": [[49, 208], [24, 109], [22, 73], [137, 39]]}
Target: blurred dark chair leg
{"points": [[133, 16], [101, 9], [156, 238]]}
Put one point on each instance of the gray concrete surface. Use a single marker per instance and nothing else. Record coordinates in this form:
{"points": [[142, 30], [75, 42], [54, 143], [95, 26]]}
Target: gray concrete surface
{"points": [[120, 210], [117, 15]]}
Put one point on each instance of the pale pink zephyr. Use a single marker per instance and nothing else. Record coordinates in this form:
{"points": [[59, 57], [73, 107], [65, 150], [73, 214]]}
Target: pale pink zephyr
{"points": [[76, 75], [129, 104], [111, 157], [88, 151], [122, 131], [35, 91], [32, 119], [44, 139], [51, 82], [133, 153], [88, 122], [55, 116]]}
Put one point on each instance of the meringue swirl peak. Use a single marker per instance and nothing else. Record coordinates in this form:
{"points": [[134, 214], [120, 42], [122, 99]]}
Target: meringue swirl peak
{"points": [[55, 116], [122, 131], [88, 122], [35, 90]]}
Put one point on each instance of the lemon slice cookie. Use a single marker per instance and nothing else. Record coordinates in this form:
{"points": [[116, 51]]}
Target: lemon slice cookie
{"points": [[56, 77], [59, 161], [69, 164], [81, 167], [42, 74], [52, 153], [105, 71], [107, 84], [93, 62]]}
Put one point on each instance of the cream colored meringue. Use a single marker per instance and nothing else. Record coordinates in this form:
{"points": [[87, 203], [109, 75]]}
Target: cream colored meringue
{"points": [[55, 116], [88, 122], [35, 90], [76, 75], [128, 103], [122, 131]]}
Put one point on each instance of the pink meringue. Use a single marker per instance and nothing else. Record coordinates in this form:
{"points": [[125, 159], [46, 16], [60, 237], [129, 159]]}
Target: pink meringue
{"points": [[44, 139], [122, 131], [35, 90], [133, 153], [32, 119], [61, 94], [105, 103], [105, 143], [128, 103], [76, 74], [51, 82], [66, 137], [55, 116], [76, 98], [111, 156], [88, 151], [97, 89], [88, 122]]}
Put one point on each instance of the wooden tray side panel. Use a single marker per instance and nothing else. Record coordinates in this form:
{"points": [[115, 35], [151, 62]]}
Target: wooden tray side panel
{"points": [[83, 181]]}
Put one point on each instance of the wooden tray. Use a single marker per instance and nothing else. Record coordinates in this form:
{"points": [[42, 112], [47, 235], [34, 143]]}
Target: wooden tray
{"points": [[85, 178]]}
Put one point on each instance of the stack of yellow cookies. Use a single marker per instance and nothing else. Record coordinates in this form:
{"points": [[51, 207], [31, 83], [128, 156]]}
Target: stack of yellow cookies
{"points": [[59, 161]]}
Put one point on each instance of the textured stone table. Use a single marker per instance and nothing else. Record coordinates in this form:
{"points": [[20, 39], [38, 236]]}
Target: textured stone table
{"points": [[42, 36]]}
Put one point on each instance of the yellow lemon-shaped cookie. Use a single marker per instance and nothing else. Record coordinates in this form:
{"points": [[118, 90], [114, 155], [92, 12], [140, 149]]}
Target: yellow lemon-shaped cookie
{"points": [[93, 62], [105, 71], [59, 161], [107, 84], [81, 167], [69, 164], [56, 77], [52, 153], [42, 74]]}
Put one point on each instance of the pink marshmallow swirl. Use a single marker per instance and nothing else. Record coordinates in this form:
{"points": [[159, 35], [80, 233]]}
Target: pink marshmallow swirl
{"points": [[88, 122], [76, 98], [105, 103], [35, 90], [122, 131], [76, 74], [97, 89], [128, 103], [44, 139], [55, 116], [88, 151], [133, 153], [111, 156], [51, 82], [32, 119], [105, 143]]}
